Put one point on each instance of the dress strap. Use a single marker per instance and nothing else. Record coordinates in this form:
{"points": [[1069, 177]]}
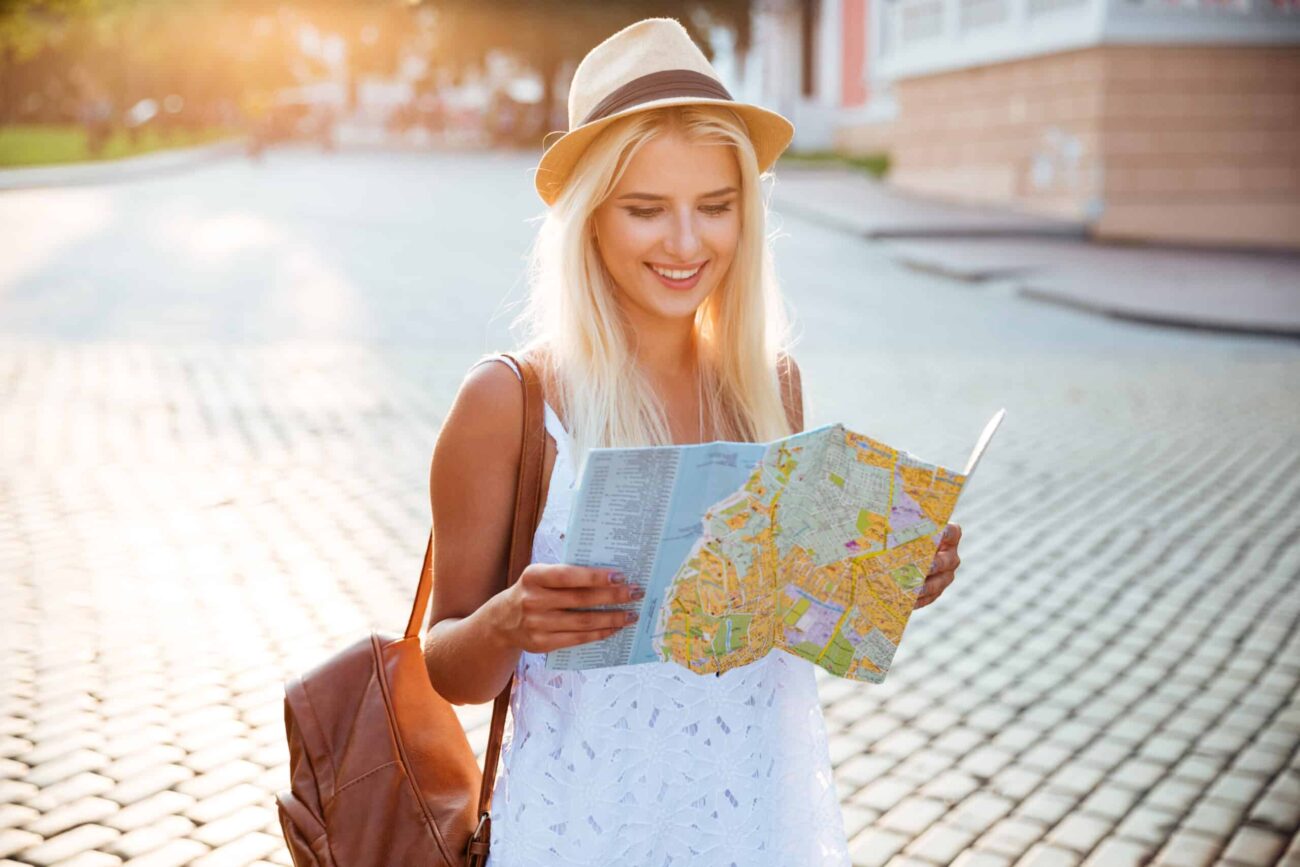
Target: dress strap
{"points": [[501, 358], [553, 424]]}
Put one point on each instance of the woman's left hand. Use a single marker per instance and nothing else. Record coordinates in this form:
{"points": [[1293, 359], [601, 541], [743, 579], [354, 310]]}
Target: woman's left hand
{"points": [[944, 569]]}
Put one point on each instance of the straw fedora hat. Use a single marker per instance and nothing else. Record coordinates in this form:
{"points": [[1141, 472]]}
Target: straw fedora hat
{"points": [[646, 65]]}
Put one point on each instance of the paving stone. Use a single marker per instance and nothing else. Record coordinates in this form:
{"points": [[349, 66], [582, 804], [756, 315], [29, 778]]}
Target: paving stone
{"points": [[66, 765], [71, 814], [1044, 756], [856, 818], [231, 827], [65, 791], [239, 852], [174, 854], [950, 786], [150, 837], [1140, 774], [137, 763], [1255, 846], [15, 840], [16, 815], [1015, 782], [227, 775], [1236, 788], [1012, 836], [912, 815], [1045, 806], [1044, 855], [147, 783], [941, 843], [68, 844], [864, 768], [225, 802], [1189, 849], [980, 811], [884, 793], [1079, 832], [91, 859], [1279, 808], [57, 747], [1174, 794], [875, 846], [1148, 825], [974, 858], [1119, 852], [150, 810]]}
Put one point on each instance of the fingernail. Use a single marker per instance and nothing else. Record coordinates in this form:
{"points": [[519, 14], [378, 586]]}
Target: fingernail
{"points": [[638, 592], [617, 578], [631, 615]]}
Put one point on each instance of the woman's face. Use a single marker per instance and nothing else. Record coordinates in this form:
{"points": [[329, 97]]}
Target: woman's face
{"points": [[676, 209]]}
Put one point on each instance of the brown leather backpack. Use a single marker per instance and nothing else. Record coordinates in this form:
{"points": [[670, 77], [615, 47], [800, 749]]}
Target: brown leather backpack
{"points": [[381, 772]]}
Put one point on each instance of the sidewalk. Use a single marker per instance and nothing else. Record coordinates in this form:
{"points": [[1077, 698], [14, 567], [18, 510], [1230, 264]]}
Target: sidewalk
{"points": [[109, 171], [1052, 260]]}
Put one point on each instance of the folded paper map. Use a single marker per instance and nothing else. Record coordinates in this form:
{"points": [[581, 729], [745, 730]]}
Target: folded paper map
{"points": [[816, 544]]}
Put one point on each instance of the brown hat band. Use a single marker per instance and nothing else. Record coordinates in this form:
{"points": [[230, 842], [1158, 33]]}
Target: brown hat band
{"points": [[659, 85]]}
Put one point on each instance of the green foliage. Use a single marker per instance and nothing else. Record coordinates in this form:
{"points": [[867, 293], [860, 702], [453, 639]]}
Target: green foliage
{"points": [[876, 164], [48, 144]]}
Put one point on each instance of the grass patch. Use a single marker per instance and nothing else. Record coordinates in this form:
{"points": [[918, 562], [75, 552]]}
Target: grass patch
{"points": [[52, 144], [876, 164]]}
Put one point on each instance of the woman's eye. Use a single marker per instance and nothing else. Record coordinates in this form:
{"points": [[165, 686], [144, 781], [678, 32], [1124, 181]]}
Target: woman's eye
{"points": [[712, 210]]}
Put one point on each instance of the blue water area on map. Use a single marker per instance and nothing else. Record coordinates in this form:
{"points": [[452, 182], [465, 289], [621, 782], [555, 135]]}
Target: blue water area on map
{"points": [[708, 472]]}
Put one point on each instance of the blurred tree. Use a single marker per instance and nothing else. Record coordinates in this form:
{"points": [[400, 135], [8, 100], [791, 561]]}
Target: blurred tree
{"points": [[548, 35]]}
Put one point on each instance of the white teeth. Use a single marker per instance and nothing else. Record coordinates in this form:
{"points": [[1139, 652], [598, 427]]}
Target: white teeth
{"points": [[676, 275]]}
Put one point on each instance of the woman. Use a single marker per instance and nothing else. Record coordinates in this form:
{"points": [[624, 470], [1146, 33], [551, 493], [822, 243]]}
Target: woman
{"points": [[655, 318]]}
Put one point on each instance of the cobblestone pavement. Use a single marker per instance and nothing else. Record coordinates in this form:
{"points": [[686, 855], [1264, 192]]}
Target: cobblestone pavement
{"points": [[213, 472]]}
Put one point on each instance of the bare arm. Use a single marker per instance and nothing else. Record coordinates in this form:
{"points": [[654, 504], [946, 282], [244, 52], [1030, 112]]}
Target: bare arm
{"points": [[477, 627], [471, 489]]}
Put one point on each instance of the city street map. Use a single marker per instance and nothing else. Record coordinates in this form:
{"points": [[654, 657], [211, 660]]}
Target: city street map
{"points": [[815, 544]]}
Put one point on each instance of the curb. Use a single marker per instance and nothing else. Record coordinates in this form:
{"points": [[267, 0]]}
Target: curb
{"points": [[1161, 318], [110, 171], [814, 215]]}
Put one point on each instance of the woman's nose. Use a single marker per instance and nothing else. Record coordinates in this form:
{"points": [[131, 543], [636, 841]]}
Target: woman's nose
{"points": [[683, 237]]}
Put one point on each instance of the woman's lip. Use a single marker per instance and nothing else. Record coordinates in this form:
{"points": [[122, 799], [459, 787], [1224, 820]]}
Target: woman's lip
{"points": [[679, 284]]}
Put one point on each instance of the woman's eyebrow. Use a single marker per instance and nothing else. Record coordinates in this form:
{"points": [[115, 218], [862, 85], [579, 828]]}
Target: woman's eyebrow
{"points": [[654, 198]]}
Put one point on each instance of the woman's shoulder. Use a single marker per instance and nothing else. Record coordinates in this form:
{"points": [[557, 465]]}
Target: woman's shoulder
{"points": [[491, 390]]}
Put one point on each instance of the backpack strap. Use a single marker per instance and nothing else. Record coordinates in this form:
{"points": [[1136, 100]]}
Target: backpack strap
{"points": [[528, 501]]}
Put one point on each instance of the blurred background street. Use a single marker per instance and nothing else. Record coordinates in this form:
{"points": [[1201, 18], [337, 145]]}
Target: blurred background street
{"points": [[225, 356]]}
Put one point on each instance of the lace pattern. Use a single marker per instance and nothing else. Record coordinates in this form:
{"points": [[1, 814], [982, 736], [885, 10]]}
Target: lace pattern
{"points": [[654, 765]]}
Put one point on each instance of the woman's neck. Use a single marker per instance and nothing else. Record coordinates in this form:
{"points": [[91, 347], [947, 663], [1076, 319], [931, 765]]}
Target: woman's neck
{"points": [[665, 350]]}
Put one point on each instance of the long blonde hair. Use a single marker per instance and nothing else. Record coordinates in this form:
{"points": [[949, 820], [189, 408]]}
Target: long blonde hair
{"points": [[741, 329]]}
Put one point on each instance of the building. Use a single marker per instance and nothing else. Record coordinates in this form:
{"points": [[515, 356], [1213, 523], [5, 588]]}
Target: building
{"points": [[1160, 120]]}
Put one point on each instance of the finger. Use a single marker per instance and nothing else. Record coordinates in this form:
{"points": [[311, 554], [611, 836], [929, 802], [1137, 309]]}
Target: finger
{"points": [[936, 584], [582, 621], [951, 536], [944, 561], [556, 640], [564, 576], [589, 597]]}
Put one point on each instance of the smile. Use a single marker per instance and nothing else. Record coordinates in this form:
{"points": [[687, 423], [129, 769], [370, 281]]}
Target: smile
{"points": [[677, 279]]}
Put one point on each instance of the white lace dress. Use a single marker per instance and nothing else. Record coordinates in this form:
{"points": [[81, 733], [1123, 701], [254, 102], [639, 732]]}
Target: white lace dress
{"points": [[652, 765]]}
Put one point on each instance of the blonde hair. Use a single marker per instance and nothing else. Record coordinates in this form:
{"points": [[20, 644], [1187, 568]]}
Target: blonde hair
{"points": [[741, 329]]}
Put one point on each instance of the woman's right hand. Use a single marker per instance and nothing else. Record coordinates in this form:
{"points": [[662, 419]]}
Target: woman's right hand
{"points": [[535, 613]]}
